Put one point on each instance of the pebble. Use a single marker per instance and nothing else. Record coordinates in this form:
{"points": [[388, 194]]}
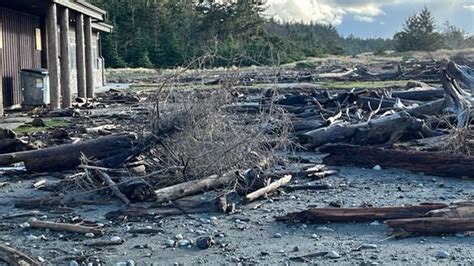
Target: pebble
{"points": [[31, 237], [116, 239], [169, 243], [73, 263], [442, 254], [183, 243], [460, 235], [179, 236], [204, 242], [377, 168], [90, 235], [121, 263], [333, 255], [314, 236], [131, 263], [324, 229], [375, 223], [277, 235], [367, 246]]}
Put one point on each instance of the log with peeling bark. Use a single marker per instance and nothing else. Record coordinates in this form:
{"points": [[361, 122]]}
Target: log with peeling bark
{"points": [[346, 215], [15, 257], [376, 131], [194, 187], [71, 228], [431, 163], [463, 209], [65, 157], [268, 189], [432, 225]]}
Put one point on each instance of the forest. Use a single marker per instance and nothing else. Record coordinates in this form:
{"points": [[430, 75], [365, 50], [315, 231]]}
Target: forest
{"points": [[164, 34]]}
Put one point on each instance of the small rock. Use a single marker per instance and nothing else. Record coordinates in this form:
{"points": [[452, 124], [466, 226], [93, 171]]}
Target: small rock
{"points": [[121, 263], [73, 263], [333, 255], [324, 229], [377, 168], [375, 223], [38, 122], [367, 246], [116, 239], [442, 254], [460, 235], [169, 243], [315, 236], [183, 243], [31, 237], [179, 236], [204, 242], [90, 235], [131, 263], [277, 235]]}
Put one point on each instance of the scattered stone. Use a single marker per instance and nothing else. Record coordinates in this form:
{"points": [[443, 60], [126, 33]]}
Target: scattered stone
{"points": [[315, 236], [90, 235], [375, 223], [38, 122], [333, 255], [73, 263], [179, 236], [131, 263], [204, 242], [277, 235], [169, 243], [377, 168], [366, 246], [31, 237], [121, 263], [183, 243], [442, 254], [116, 239], [324, 229]]}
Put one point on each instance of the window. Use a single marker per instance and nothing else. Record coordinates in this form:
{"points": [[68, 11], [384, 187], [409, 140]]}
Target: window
{"points": [[38, 44]]}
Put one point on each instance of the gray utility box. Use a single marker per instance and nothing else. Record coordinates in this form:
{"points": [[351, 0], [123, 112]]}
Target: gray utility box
{"points": [[35, 86]]}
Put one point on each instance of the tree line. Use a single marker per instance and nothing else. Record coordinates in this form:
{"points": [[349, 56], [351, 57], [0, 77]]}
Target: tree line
{"points": [[162, 34]]}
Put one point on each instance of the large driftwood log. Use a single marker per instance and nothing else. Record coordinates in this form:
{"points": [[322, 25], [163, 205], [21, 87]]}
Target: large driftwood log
{"points": [[420, 95], [16, 258], [68, 156], [194, 187], [458, 82], [432, 225], [464, 209], [345, 215], [432, 163], [377, 131]]}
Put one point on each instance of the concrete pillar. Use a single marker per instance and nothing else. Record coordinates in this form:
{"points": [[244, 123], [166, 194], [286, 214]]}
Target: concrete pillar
{"points": [[80, 59], [65, 71], [53, 60], [88, 56]]}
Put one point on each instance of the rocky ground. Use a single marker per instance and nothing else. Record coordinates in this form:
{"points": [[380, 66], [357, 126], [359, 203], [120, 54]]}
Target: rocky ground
{"points": [[252, 235]]}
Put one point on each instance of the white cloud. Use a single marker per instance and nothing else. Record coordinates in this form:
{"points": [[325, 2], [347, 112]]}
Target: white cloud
{"points": [[469, 7], [364, 18], [324, 11]]}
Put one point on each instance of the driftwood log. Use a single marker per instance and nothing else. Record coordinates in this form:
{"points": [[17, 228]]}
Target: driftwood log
{"points": [[71, 228], [346, 215], [432, 225], [15, 257], [432, 163], [115, 149], [377, 131], [194, 187], [268, 189]]}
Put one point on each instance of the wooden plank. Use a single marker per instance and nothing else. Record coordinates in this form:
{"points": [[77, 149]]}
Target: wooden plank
{"points": [[53, 60], [65, 72]]}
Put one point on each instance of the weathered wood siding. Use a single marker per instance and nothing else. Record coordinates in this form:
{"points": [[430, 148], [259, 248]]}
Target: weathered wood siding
{"points": [[19, 51]]}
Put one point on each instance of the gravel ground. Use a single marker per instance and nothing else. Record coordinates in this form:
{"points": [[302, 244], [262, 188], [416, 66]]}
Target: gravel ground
{"points": [[252, 236]]}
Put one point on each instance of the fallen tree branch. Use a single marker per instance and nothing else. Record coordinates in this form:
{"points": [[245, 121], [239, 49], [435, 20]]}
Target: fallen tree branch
{"points": [[432, 225], [113, 186]]}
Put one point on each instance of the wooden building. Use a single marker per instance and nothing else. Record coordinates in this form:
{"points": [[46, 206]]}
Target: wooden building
{"points": [[62, 36]]}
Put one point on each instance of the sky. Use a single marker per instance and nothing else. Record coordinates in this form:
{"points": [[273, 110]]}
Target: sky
{"points": [[372, 18]]}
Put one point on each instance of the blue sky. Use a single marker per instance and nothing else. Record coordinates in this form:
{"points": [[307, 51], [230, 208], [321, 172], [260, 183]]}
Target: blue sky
{"points": [[371, 18]]}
